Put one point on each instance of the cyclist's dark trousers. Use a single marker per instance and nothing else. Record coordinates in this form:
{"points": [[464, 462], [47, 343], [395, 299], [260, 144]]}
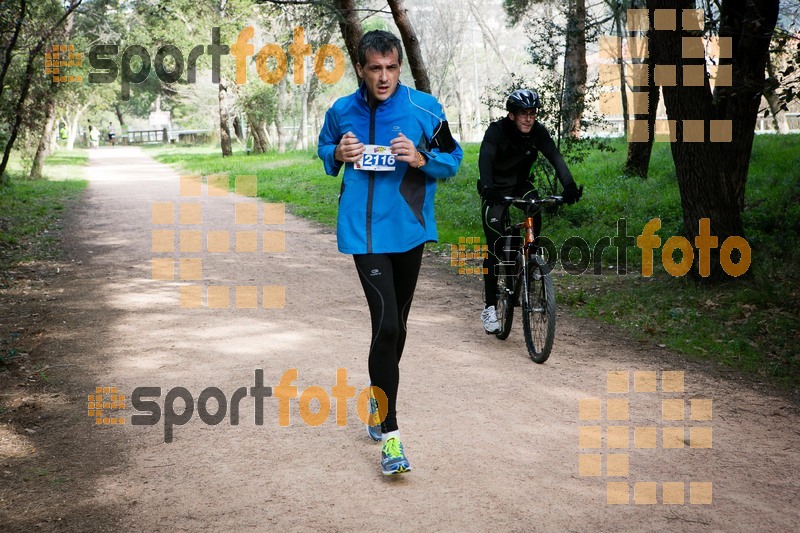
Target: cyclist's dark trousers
{"points": [[389, 281]]}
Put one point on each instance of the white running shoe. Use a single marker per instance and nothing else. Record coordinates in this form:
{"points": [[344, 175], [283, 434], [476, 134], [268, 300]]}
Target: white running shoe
{"points": [[489, 318]]}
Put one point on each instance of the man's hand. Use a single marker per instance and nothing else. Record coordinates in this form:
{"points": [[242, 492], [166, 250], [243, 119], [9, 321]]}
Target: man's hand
{"points": [[572, 194], [404, 150], [492, 196], [349, 149]]}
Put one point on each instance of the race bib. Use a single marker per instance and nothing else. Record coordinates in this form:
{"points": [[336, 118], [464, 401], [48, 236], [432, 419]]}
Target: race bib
{"points": [[376, 158]]}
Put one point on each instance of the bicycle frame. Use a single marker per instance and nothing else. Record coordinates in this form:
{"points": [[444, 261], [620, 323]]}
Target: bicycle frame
{"points": [[528, 246]]}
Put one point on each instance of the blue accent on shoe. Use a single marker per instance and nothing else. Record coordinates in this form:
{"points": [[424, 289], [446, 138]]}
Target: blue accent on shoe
{"points": [[374, 432], [393, 458]]}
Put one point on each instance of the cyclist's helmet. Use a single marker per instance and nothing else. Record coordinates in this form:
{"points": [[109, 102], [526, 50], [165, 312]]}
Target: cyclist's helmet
{"points": [[523, 99]]}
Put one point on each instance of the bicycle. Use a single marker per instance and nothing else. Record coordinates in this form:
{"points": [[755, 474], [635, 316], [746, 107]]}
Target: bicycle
{"points": [[525, 281]]}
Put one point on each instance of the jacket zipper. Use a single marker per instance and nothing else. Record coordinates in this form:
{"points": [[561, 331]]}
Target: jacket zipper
{"points": [[371, 189]]}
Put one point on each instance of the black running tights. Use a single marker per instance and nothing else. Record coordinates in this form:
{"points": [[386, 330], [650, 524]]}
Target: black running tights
{"points": [[389, 281]]}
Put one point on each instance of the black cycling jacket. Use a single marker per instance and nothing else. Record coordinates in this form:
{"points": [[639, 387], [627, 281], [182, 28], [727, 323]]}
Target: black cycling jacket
{"points": [[507, 155]]}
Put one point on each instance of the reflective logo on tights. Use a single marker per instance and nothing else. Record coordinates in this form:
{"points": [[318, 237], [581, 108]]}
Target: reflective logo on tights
{"points": [[375, 272]]}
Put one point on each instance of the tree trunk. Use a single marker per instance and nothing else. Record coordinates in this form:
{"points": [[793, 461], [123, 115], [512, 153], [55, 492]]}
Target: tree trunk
{"points": [[623, 84], [488, 37], [260, 144], [42, 150], [411, 44], [750, 27], [9, 50], [574, 69], [224, 128], [73, 129], [711, 172], [237, 128], [638, 160], [279, 115], [26, 85], [778, 116], [120, 117], [351, 29]]}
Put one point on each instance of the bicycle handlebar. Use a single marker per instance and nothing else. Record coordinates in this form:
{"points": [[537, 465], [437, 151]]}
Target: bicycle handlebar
{"points": [[534, 201]]}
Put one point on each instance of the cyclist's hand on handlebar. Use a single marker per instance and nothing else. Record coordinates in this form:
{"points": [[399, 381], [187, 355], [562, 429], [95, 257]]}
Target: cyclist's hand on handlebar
{"points": [[572, 193], [492, 196], [349, 149]]}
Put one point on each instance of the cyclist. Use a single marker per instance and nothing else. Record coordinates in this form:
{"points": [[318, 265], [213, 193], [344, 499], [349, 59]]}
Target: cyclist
{"points": [[509, 149], [386, 209]]}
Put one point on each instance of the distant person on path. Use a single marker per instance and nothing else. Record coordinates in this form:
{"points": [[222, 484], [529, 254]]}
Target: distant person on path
{"points": [[94, 136], [111, 134], [394, 144], [509, 148]]}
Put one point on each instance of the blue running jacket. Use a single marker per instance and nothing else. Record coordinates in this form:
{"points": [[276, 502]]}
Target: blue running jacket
{"points": [[388, 212]]}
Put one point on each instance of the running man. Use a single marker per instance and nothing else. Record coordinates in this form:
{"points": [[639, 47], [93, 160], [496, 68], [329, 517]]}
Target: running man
{"points": [[394, 144]]}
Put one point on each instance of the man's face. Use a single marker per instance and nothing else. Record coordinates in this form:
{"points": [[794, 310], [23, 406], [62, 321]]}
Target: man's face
{"points": [[380, 74], [523, 119]]}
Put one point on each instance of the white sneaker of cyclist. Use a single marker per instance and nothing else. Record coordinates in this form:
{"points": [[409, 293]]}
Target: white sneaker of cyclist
{"points": [[489, 318]]}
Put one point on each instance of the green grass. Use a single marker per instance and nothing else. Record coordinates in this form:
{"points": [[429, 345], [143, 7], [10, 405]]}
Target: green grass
{"points": [[30, 210], [751, 324]]}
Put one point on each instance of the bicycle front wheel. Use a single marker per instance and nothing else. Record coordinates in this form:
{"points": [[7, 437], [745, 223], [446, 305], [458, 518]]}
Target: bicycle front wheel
{"points": [[539, 311]]}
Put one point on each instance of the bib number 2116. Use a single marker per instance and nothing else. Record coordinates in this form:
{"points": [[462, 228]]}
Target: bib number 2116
{"points": [[376, 158]]}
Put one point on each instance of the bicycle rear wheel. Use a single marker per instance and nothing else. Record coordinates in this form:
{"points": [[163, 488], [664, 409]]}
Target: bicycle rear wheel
{"points": [[539, 314]]}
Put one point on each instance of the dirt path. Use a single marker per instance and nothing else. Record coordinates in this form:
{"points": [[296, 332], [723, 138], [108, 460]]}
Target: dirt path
{"points": [[492, 437]]}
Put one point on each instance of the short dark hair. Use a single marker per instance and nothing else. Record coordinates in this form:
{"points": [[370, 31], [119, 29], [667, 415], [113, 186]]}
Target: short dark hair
{"points": [[382, 42]]}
